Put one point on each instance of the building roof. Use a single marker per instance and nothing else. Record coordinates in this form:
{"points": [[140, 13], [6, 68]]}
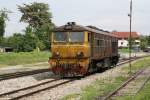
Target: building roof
{"points": [[126, 35]]}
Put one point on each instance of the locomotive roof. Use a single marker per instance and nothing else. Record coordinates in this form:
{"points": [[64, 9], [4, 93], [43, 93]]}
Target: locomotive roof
{"points": [[74, 27]]}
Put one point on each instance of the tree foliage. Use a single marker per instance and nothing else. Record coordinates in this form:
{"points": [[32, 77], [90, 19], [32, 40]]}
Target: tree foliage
{"points": [[22, 43], [144, 41], [149, 40], [36, 34], [3, 18], [38, 16]]}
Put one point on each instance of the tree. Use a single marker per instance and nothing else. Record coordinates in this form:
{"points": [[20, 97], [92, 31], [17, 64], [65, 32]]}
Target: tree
{"points": [[16, 42], [22, 43], [29, 43], [3, 18], [149, 40], [38, 17], [144, 42]]}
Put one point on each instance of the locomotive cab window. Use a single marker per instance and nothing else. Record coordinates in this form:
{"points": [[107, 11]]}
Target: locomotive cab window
{"points": [[60, 37], [76, 37]]}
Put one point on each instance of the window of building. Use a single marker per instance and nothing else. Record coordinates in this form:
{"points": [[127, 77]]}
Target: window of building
{"points": [[121, 43]]}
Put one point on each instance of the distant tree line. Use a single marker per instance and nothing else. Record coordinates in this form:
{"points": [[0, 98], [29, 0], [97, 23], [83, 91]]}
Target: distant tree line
{"points": [[36, 35], [145, 41]]}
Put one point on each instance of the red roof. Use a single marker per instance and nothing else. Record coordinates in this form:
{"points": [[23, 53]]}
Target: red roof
{"points": [[126, 35]]}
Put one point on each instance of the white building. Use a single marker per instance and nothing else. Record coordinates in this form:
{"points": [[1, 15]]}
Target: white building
{"points": [[123, 43], [123, 39]]}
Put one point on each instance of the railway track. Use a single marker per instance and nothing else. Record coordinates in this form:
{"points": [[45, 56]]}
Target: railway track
{"points": [[124, 61], [21, 74], [131, 87], [27, 73], [46, 85], [28, 91]]}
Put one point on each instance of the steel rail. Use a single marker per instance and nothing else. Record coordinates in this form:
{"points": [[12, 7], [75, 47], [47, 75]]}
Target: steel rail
{"points": [[40, 90], [125, 61], [37, 91], [143, 85], [128, 80], [29, 87], [21, 74], [123, 85]]}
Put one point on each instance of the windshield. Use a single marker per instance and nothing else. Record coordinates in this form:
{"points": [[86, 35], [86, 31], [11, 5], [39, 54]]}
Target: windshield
{"points": [[76, 37], [60, 37]]}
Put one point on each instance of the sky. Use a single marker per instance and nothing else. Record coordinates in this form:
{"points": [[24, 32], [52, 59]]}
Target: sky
{"points": [[105, 14]]}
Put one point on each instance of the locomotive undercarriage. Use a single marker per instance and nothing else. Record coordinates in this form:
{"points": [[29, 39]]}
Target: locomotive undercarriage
{"points": [[81, 67], [69, 68], [100, 64]]}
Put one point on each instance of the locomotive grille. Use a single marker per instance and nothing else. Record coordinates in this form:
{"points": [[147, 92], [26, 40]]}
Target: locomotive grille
{"points": [[67, 65]]}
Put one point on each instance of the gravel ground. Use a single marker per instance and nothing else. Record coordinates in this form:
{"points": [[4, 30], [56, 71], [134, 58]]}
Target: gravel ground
{"points": [[56, 93], [20, 68], [17, 83], [73, 87], [37, 88], [59, 92]]}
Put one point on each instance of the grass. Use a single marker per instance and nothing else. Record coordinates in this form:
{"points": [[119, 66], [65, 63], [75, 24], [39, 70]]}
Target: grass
{"points": [[138, 65], [8, 59], [124, 50], [101, 87], [144, 94], [70, 97]]}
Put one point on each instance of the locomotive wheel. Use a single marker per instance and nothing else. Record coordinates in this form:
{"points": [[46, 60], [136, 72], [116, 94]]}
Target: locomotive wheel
{"points": [[92, 67], [107, 63]]}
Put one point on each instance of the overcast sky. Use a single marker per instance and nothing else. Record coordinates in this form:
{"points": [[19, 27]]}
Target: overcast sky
{"points": [[106, 14]]}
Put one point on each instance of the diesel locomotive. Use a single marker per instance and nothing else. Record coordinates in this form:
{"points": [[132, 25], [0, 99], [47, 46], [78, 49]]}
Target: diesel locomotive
{"points": [[78, 50]]}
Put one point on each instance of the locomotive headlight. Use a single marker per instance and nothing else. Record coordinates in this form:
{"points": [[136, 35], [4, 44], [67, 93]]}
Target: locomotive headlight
{"points": [[80, 54], [56, 54]]}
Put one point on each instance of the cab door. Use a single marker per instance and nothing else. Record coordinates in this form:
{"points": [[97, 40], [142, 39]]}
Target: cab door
{"points": [[91, 43]]}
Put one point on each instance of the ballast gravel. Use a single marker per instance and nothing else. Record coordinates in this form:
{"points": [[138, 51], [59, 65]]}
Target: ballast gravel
{"points": [[73, 87], [59, 92], [17, 83]]}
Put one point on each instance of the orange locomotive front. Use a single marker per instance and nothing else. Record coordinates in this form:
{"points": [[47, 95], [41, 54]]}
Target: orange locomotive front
{"points": [[70, 52]]}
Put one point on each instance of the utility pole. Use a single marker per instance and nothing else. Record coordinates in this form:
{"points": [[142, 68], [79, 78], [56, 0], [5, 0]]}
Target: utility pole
{"points": [[130, 37]]}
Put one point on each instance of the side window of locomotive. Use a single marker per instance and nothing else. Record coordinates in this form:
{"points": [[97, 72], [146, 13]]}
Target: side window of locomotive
{"points": [[98, 42], [114, 45]]}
